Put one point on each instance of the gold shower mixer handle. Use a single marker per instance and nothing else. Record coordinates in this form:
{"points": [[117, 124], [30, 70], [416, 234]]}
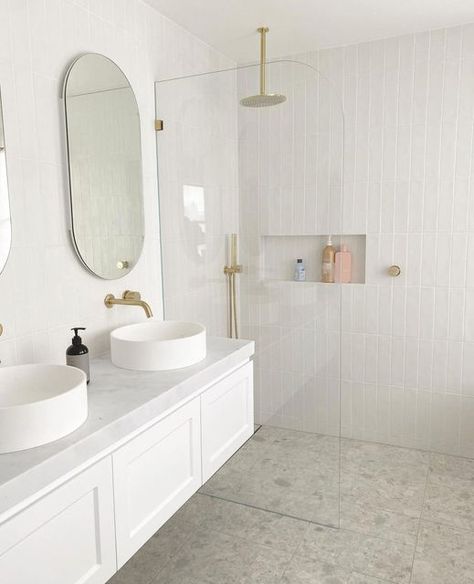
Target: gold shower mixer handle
{"points": [[233, 269]]}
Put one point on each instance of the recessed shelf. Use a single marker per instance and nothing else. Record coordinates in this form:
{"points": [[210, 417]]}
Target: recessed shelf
{"points": [[280, 253]]}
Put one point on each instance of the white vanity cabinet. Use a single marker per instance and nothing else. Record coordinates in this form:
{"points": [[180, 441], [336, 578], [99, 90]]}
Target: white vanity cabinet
{"points": [[227, 418], [66, 537], [85, 529], [154, 474]]}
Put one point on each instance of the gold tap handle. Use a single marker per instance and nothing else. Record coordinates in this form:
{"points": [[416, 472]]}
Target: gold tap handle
{"points": [[131, 295]]}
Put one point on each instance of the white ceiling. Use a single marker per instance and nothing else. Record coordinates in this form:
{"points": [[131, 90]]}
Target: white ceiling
{"points": [[302, 25]]}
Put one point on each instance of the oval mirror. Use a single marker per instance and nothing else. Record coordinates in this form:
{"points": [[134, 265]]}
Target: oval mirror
{"points": [[5, 220], [105, 166]]}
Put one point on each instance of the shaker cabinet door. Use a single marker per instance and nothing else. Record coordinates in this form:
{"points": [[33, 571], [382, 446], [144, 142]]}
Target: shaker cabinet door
{"points": [[227, 418], [66, 537], [154, 474]]}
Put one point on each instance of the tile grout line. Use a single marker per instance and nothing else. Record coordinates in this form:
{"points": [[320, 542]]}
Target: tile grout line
{"points": [[298, 547], [421, 516], [249, 506]]}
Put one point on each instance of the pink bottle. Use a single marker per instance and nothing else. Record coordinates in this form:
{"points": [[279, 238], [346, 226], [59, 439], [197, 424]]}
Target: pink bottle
{"points": [[343, 267]]}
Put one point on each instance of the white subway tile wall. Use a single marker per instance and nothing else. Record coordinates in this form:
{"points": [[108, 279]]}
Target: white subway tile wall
{"points": [[407, 343], [44, 290]]}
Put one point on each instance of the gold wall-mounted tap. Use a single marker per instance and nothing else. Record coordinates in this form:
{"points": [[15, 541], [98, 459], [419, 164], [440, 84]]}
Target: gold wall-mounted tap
{"points": [[129, 298]]}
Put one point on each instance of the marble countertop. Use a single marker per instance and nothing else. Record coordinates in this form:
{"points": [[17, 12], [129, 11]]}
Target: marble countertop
{"points": [[120, 403]]}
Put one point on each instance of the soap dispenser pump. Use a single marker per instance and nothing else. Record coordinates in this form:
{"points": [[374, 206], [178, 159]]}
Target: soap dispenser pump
{"points": [[77, 354]]}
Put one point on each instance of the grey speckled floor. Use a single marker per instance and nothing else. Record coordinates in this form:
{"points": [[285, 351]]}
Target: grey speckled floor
{"points": [[297, 508]]}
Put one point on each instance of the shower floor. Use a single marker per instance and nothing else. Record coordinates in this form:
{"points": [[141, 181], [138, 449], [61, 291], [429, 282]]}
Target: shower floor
{"points": [[297, 508]]}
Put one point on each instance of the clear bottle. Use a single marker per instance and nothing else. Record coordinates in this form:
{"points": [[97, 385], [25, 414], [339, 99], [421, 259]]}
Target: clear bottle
{"points": [[300, 272], [329, 256]]}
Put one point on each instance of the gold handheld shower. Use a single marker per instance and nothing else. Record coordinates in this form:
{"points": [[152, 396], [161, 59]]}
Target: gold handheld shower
{"points": [[263, 99], [230, 271]]}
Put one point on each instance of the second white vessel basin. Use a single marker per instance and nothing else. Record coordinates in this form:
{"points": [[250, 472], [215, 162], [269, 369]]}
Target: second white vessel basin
{"points": [[39, 404], [158, 345]]}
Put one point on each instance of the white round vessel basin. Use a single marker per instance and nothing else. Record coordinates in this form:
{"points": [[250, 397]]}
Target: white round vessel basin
{"points": [[158, 345], [39, 404]]}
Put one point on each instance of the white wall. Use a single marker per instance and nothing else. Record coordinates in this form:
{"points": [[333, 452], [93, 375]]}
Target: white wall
{"points": [[407, 347], [44, 290]]}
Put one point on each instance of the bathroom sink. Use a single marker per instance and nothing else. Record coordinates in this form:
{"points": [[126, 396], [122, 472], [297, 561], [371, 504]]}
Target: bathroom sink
{"points": [[39, 404], [158, 345]]}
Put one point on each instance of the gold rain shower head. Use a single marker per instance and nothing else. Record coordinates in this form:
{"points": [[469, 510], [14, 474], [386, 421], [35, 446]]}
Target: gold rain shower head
{"points": [[263, 99]]}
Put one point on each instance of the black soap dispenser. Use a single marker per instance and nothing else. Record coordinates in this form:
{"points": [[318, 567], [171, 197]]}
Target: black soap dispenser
{"points": [[77, 354]]}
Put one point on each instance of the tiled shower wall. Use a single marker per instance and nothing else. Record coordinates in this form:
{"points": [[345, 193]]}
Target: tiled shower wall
{"points": [[407, 345], [199, 197], [44, 290], [290, 169]]}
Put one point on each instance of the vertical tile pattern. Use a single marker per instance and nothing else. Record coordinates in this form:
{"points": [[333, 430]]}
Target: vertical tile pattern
{"points": [[197, 160], [406, 344], [44, 289], [290, 182]]}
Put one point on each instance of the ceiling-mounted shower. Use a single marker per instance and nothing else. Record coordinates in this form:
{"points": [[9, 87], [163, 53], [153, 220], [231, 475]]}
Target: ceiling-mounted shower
{"points": [[263, 99]]}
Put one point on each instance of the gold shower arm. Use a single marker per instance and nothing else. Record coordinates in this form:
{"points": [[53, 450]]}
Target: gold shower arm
{"points": [[263, 56]]}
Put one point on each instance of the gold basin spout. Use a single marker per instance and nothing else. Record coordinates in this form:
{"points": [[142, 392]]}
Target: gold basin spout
{"points": [[129, 298]]}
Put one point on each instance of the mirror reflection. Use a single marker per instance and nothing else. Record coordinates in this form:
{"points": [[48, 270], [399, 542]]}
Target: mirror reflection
{"points": [[105, 166], [5, 221]]}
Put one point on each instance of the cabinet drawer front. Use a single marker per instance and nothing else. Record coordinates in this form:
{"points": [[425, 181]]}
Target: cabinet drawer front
{"points": [[154, 474], [66, 537], [227, 418]]}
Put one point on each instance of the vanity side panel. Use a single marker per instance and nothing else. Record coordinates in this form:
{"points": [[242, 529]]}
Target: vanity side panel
{"points": [[154, 474], [227, 418], [66, 537]]}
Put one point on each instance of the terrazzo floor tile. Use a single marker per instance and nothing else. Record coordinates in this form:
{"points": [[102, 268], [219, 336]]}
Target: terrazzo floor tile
{"points": [[153, 556], [254, 525], [356, 578], [303, 570], [384, 477], [444, 555], [370, 456], [244, 530], [453, 466], [450, 492], [215, 558], [289, 472], [356, 552], [308, 571], [379, 522]]}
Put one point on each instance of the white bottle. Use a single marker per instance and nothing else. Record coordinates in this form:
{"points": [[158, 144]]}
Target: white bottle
{"points": [[300, 273]]}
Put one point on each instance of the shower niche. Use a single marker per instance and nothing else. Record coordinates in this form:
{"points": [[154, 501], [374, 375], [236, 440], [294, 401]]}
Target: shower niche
{"points": [[280, 253]]}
